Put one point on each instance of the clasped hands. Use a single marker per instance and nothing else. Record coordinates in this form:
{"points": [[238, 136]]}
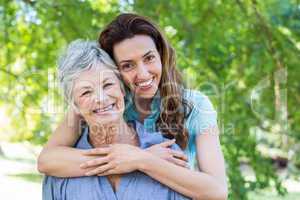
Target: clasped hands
{"points": [[125, 158]]}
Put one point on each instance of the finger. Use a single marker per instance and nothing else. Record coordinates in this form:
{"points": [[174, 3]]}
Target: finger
{"points": [[108, 172], [97, 151], [99, 170], [178, 162], [95, 162], [167, 143], [179, 154]]}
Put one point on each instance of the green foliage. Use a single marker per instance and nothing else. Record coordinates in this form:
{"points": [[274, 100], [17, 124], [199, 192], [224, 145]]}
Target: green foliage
{"points": [[237, 52]]}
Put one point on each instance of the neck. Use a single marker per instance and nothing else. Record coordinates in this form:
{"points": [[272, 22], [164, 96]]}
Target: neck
{"points": [[104, 134], [143, 105]]}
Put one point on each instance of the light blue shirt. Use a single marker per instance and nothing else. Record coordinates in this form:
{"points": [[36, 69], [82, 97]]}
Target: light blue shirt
{"points": [[132, 186], [201, 117]]}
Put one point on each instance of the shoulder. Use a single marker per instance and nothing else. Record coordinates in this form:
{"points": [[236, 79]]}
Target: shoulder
{"points": [[201, 115], [198, 101], [83, 141]]}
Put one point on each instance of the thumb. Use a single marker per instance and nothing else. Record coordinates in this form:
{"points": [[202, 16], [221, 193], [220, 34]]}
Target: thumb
{"points": [[167, 143]]}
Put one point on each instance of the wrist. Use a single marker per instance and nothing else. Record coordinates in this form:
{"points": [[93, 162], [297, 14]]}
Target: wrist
{"points": [[146, 158]]}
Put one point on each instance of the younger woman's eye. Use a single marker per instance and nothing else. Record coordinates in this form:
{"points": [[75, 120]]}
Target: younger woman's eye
{"points": [[149, 58], [127, 66]]}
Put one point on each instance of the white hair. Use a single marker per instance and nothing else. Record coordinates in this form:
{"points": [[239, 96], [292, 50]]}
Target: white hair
{"points": [[80, 56]]}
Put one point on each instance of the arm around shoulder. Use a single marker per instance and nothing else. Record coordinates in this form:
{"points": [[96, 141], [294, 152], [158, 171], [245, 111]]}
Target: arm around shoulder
{"points": [[211, 161], [208, 183], [58, 157]]}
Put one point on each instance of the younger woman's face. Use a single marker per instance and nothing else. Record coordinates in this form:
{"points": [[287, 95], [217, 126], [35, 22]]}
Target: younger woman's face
{"points": [[140, 65]]}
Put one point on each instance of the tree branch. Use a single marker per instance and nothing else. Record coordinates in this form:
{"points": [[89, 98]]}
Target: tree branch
{"points": [[9, 73]]}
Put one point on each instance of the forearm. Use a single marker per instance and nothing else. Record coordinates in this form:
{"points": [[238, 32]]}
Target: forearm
{"points": [[58, 158], [62, 161], [196, 185]]}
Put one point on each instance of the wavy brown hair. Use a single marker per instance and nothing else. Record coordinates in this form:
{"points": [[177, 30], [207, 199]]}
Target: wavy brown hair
{"points": [[174, 108]]}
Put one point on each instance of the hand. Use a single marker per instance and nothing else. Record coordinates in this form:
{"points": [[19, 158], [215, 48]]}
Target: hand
{"points": [[161, 150], [115, 159]]}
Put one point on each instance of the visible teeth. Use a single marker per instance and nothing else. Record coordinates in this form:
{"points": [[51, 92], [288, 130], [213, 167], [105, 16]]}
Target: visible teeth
{"points": [[146, 83], [104, 109]]}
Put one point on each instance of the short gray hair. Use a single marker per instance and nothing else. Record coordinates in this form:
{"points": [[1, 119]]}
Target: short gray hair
{"points": [[80, 56]]}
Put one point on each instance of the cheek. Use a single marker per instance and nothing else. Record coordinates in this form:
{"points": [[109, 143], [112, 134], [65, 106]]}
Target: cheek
{"points": [[117, 93], [159, 64], [127, 78], [84, 103], [120, 103], [157, 68]]}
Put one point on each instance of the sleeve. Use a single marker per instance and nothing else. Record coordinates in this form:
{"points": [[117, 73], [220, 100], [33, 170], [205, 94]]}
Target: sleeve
{"points": [[203, 115], [54, 187]]}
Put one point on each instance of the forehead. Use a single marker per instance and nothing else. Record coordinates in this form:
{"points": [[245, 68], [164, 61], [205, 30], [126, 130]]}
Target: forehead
{"points": [[135, 46], [95, 75]]}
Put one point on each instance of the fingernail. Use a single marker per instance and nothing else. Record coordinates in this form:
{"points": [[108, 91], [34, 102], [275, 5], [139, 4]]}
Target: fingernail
{"points": [[82, 165]]}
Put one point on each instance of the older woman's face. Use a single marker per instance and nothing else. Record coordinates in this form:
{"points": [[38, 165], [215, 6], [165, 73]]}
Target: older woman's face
{"points": [[98, 96]]}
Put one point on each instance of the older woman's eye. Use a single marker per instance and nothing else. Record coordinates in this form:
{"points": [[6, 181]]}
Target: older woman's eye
{"points": [[85, 93], [106, 85]]}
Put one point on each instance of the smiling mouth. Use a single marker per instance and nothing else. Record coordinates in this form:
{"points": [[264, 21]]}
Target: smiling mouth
{"points": [[104, 109], [145, 83]]}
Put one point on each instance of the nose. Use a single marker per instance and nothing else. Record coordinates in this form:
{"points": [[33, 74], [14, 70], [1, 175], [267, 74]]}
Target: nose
{"points": [[142, 71], [100, 96]]}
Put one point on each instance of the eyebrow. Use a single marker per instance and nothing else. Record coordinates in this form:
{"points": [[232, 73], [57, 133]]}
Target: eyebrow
{"points": [[81, 89], [89, 87], [106, 79], [146, 54], [85, 87]]}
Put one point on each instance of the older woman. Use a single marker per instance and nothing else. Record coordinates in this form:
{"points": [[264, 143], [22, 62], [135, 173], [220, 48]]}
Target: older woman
{"points": [[91, 85]]}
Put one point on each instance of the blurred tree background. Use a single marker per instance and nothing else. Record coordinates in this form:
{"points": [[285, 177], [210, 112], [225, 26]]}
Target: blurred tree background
{"points": [[244, 54]]}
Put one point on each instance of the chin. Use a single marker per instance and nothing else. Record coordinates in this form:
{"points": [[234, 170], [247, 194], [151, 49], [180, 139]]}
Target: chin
{"points": [[110, 118], [147, 95]]}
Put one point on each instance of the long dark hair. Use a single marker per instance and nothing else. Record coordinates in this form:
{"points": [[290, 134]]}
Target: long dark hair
{"points": [[173, 106]]}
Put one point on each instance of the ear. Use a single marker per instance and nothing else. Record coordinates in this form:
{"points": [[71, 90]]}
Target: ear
{"points": [[77, 111], [74, 107]]}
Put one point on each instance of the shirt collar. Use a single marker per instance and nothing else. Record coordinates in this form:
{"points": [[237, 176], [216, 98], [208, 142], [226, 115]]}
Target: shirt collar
{"points": [[131, 113]]}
